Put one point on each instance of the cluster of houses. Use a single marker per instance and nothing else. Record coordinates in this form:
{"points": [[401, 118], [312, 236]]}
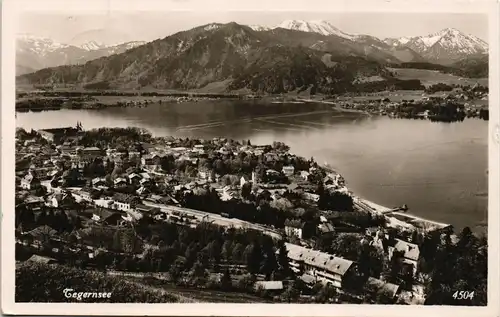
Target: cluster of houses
{"points": [[114, 208], [473, 102]]}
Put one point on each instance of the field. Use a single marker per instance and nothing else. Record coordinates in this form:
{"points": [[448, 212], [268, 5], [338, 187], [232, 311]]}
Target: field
{"points": [[430, 77], [395, 96]]}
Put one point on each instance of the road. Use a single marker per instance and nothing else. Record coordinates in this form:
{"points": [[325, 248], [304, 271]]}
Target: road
{"points": [[215, 218]]}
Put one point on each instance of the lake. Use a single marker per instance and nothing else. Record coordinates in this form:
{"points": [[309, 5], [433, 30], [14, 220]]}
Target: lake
{"points": [[438, 169]]}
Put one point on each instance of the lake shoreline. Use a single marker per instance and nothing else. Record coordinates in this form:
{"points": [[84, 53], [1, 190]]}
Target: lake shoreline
{"points": [[324, 136]]}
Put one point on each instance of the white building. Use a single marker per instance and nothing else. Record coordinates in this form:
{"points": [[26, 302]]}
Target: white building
{"points": [[410, 251], [304, 175], [294, 229], [123, 206], [324, 267], [288, 170]]}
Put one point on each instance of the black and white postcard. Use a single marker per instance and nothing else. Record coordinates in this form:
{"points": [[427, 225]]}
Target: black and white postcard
{"points": [[215, 157]]}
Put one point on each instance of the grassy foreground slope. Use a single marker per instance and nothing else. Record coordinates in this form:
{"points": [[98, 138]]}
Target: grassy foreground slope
{"points": [[37, 282]]}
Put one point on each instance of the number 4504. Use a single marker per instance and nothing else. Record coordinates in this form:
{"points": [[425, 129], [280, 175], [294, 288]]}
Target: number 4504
{"points": [[463, 295]]}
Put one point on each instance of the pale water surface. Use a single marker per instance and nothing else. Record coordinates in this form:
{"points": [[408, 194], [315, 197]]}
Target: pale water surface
{"points": [[437, 169]]}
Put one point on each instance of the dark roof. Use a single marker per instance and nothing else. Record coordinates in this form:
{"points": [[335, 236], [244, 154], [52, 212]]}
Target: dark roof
{"points": [[145, 208], [42, 231], [410, 251], [124, 198], [84, 192], [104, 213], [294, 223]]}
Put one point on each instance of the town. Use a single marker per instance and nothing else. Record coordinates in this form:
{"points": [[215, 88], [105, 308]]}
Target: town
{"points": [[226, 215], [439, 102]]}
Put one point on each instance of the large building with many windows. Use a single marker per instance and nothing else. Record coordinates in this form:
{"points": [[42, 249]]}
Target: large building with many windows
{"points": [[323, 267]]}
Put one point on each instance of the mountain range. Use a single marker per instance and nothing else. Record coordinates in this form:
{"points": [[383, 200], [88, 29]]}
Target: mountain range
{"points": [[443, 47], [34, 52], [294, 55]]}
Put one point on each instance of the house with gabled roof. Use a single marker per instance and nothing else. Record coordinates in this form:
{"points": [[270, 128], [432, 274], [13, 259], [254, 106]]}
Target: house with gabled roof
{"points": [[288, 170], [60, 200], [125, 202], [41, 235], [293, 228], [147, 160], [91, 152], [34, 203], [98, 181], [104, 203], [147, 210], [106, 216], [143, 191], [410, 253], [120, 181], [134, 178]]}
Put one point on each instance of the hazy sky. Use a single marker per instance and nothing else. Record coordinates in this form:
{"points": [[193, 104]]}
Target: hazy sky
{"points": [[152, 25]]}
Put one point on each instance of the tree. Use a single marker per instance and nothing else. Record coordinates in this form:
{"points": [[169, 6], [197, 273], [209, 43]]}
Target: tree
{"points": [[465, 239], [247, 282], [393, 268], [198, 275], [283, 263], [253, 257], [227, 250], [370, 261], [214, 251], [268, 265], [347, 246], [176, 270], [291, 294], [191, 254], [246, 190], [226, 281], [326, 293], [237, 254], [456, 267], [281, 204]]}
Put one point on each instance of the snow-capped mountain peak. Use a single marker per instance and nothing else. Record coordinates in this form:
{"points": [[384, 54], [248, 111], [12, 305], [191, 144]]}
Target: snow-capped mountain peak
{"points": [[35, 52], [449, 37], [259, 28], [38, 44], [92, 46], [316, 26], [448, 43], [124, 47]]}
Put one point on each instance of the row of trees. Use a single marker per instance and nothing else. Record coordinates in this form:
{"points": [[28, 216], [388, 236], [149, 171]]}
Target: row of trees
{"points": [[178, 250]]}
